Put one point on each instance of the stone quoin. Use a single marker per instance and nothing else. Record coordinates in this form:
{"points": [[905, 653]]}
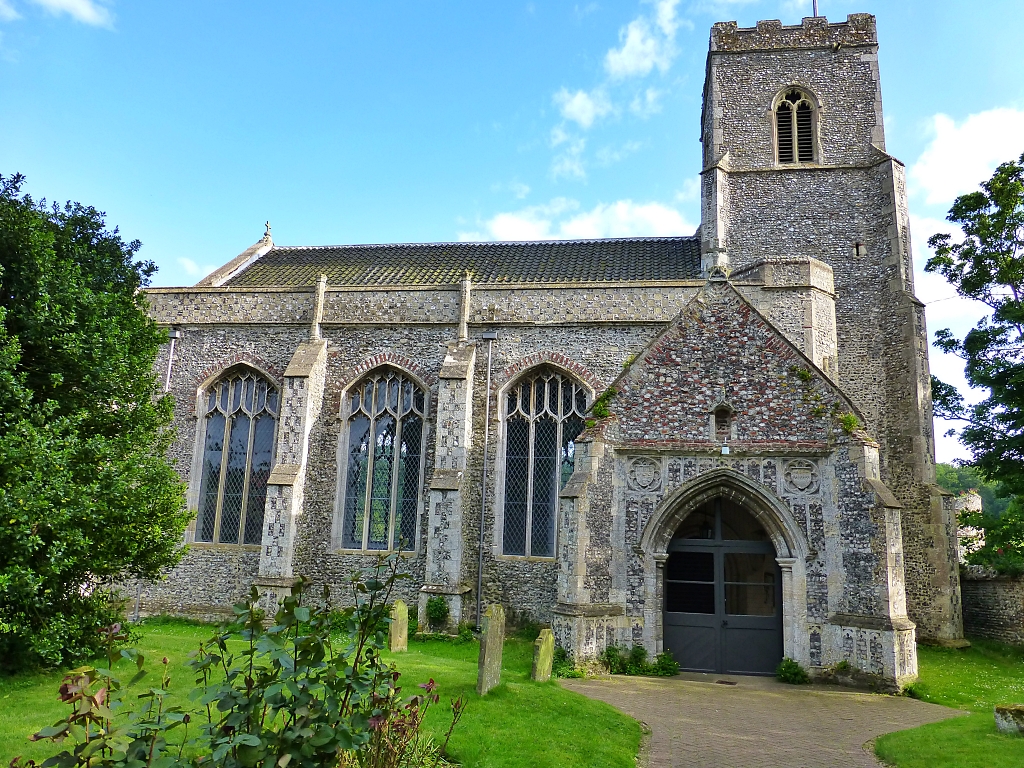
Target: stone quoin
{"points": [[719, 445]]}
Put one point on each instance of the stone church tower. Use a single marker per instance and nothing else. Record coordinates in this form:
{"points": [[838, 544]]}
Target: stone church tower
{"points": [[716, 445], [839, 198]]}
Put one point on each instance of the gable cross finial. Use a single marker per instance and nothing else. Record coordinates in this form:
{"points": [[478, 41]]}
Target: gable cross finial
{"points": [[266, 234]]}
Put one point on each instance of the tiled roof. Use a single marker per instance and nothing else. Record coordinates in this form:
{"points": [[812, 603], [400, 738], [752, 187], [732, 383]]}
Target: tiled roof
{"points": [[548, 261]]}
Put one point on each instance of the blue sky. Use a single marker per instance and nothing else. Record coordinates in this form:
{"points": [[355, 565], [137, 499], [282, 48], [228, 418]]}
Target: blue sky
{"points": [[191, 123]]}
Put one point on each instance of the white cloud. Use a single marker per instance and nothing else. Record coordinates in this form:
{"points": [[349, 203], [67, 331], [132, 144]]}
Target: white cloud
{"points": [[562, 219], [690, 191], [638, 53], [519, 189], [582, 107], [645, 43], [85, 11], [961, 156], [8, 12], [195, 270], [647, 103], [611, 155], [569, 162]]}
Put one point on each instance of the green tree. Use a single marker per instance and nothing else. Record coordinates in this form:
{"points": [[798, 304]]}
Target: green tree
{"points": [[87, 496], [988, 266], [959, 479]]}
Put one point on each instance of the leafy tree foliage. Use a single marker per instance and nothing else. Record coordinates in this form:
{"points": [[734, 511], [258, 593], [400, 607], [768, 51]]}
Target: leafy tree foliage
{"points": [[292, 695], [87, 496], [960, 479], [988, 266], [1002, 545]]}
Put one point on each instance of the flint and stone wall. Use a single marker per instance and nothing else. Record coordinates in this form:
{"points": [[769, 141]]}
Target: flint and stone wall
{"points": [[848, 209], [993, 605], [819, 319]]}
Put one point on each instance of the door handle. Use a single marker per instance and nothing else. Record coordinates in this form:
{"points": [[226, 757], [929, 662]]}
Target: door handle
{"points": [[725, 623]]}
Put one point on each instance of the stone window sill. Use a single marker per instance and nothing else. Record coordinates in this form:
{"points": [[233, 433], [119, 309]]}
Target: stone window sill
{"points": [[220, 545], [408, 554], [525, 558]]}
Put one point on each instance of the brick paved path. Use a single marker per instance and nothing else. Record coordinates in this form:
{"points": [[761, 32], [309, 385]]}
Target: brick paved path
{"points": [[757, 723]]}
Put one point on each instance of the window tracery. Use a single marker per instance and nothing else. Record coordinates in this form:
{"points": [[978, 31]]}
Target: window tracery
{"points": [[544, 414], [385, 463], [238, 453], [794, 128]]}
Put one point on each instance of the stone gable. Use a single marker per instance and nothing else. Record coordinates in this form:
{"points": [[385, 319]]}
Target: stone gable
{"points": [[721, 351]]}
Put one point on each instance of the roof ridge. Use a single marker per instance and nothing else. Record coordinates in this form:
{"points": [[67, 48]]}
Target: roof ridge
{"points": [[553, 241]]}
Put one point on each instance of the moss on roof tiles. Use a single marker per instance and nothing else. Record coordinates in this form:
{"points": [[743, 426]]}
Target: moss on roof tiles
{"points": [[618, 260]]}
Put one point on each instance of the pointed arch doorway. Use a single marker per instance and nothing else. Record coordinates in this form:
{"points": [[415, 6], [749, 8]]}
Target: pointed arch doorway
{"points": [[723, 593]]}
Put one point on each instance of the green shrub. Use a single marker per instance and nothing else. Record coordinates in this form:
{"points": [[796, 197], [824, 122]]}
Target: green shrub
{"points": [[465, 632], [665, 665], [634, 662], [414, 625], [791, 672], [562, 664], [437, 612], [290, 698], [600, 409], [849, 422]]}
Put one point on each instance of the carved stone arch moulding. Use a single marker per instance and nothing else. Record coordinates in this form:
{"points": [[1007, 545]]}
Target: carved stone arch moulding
{"points": [[554, 359], [801, 476], [773, 513], [211, 373], [644, 474], [353, 374]]}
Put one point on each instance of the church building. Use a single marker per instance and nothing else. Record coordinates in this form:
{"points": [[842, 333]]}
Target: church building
{"points": [[718, 445]]}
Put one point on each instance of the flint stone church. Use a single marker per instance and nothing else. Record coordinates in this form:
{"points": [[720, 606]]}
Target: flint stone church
{"points": [[718, 445]]}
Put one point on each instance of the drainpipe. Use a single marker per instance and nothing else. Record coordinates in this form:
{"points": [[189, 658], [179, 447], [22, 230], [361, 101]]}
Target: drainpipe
{"points": [[174, 334], [490, 336]]}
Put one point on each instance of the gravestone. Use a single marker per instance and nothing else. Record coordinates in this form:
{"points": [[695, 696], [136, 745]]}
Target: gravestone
{"points": [[1010, 718], [492, 641], [398, 632], [543, 655]]}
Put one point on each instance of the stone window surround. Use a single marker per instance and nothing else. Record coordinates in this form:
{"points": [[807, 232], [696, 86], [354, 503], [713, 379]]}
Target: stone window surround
{"points": [[195, 478], [818, 109], [498, 499], [338, 516]]}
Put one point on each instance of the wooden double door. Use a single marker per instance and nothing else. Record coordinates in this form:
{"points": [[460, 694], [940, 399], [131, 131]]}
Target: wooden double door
{"points": [[723, 594]]}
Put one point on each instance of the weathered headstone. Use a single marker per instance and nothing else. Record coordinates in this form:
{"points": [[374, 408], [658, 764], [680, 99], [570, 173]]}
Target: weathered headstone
{"points": [[543, 655], [492, 641], [1010, 718], [398, 632]]}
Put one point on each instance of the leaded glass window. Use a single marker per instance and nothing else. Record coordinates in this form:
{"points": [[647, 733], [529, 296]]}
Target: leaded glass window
{"points": [[238, 453], [385, 463], [544, 414], [794, 128]]}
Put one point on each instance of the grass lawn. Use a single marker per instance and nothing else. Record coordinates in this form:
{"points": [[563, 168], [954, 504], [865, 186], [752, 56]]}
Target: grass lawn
{"points": [[519, 723], [974, 679]]}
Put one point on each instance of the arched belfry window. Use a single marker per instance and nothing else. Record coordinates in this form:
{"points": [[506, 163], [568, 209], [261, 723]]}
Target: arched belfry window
{"points": [[385, 462], [544, 414], [238, 452], [794, 127]]}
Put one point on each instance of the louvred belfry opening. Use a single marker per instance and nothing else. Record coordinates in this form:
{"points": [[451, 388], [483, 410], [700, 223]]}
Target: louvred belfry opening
{"points": [[794, 128]]}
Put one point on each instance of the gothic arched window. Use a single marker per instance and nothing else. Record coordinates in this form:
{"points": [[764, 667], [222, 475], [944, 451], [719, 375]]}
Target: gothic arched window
{"points": [[544, 414], [385, 463], [794, 127], [238, 453]]}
